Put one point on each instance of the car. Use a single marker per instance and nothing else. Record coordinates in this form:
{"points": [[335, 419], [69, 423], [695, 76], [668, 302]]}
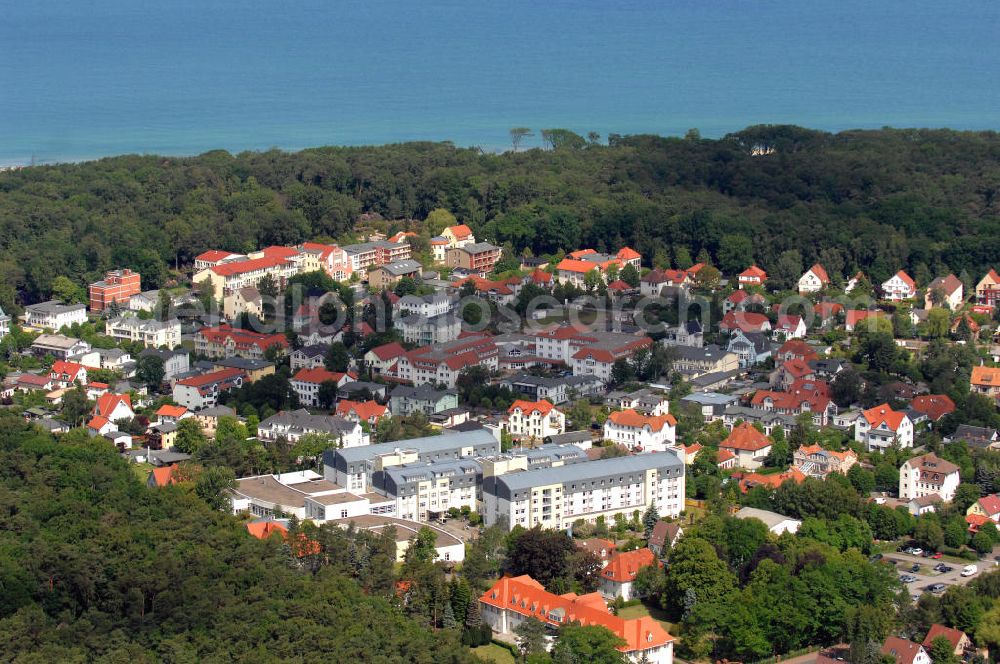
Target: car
{"points": [[939, 567], [969, 570], [947, 568], [936, 588], [915, 568], [927, 554], [937, 555], [915, 551], [907, 578]]}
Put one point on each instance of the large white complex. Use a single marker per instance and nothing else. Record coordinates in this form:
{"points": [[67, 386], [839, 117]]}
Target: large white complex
{"points": [[556, 497]]}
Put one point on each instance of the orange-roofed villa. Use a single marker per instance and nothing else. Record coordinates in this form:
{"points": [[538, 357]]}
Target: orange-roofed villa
{"points": [[641, 433], [512, 600], [620, 572], [535, 419], [748, 445], [881, 426]]}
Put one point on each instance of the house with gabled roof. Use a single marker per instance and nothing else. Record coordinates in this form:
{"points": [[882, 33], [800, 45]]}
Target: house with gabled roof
{"points": [[744, 321], [944, 291], [789, 327], [752, 276], [856, 317], [960, 642], [898, 287], [750, 347], [664, 537], [306, 382], [641, 433], [987, 507], [534, 419], [362, 411], [67, 374], [928, 475], [988, 289], [904, 651], [619, 574], [933, 406], [795, 349], [741, 300], [748, 445], [813, 280], [880, 427], [986, 380]]}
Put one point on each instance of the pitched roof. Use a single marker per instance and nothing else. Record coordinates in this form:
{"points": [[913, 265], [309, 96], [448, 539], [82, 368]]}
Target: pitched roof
{"points": [[820, 273], [106, 403], [211, 377], [953, 635], [527, 597], [934, 406], [239, 267], [750, 480], [540, 276], [903, 651], [933, 469], [364, 410], [574, 265], [166, 410], [990, 504], [745, 437], [907, 279], [460, 231], [883, 413], [320, 375], [663, 533], [628, 254], [986, 376], [855, 316], [745, 321], [543, 406], [388, 351], [753, 272], [948, 285], [828, 309], [164, 475], [788, 322], [635, 420], [624, 566], [62, 367], [213, 255], [799, 348]]}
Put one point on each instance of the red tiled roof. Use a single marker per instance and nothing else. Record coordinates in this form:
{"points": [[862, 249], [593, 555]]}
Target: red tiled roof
{"points": [[907, 279], [954, 636], [166, 410], [540, 276], [542, 406], [753, 272], [903, 651], [211, 377], [990, 504], [745, 321], [628, 254], [986, 376], [264, 529], [106, 403], [855, 316], [164, 475], [460, 231], [242, 338], [279, 252], [573, 265], [787, 322], [388, 351], [828, 309], [320, 375], [934, 406], [883, 413], [239, 267], [750, 480], [745, 437], [623, 567], [632, 419], [799, 348], [364, 410], [820, 273], [213, 255], [976, 521], [61, 367], [527, 597], [97, 422]]}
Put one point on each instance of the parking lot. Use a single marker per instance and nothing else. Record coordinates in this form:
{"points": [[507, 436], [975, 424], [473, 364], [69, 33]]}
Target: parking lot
{"points": [[927, 577]]}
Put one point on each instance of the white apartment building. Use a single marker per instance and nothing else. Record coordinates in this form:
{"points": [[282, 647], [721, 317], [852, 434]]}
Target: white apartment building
{"points": [[641, 433], [150, 333], [423, 490], [534, 419], [556, 497], [928, 475], [54, 315]]}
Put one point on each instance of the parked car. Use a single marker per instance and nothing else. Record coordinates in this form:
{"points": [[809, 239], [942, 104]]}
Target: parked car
{"points": [[937, 555], [915, 568], [916, 551], [939, 567], [969, 570], [936, 588], [907, 578]]}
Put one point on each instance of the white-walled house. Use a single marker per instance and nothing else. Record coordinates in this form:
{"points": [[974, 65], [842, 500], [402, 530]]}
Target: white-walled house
{"points": [[814, 280], [928, 475], [880, 426], [535, 419], [899, 286], [638, 432]]}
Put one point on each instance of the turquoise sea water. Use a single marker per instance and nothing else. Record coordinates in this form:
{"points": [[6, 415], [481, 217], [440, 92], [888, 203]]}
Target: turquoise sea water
{"points": [[89, 78]]}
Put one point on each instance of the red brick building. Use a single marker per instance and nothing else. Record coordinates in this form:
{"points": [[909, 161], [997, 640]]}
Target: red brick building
{"points": [[117, 286]]}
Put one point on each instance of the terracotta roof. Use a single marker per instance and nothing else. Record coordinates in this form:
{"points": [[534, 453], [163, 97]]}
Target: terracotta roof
{"points": [[632, 419], [799, 348], [750, 480], [817, 399], [745, 321], [788, 322], [166, 410], [388, 351], [990, 504], [820, 273], [574, 265], [97, 422], [70, 369], [828, 309], [903, 651], [623, 567], [976, 521], [460, 231], [986, 376], [540, 276], [855, 316], [596, 545], [753, 272], [239, 267], [948, 285], [745, 437], [724, 455], [694, 269], [364, 410], [907, 279], [934, 406], [618, 285], [628, 254], [264, 529], [543, 406], [164, 475], [320, 375], [527, 597], [242, 339], [106, 403], [883, 413], [213, 255], [953, 635]]}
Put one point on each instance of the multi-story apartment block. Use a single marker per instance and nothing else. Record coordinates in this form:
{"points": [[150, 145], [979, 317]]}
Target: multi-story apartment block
{"points": [[227, 278], [117, 286], [477, 258], [423, 330], [306, 383], [385, 276], [227, 341], [366, 254], [150, 333], [441, 363], [434, 304], [424, 490], [203, 391], [353, 467], [406, 400], [556, 497]]}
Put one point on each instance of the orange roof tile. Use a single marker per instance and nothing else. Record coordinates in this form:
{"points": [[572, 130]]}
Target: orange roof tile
{"points": [[166, 410], [745, 437], [106, 403], [820, 273], [954, 636], [574, 265], [623, 567], [320, 375], [883, 413], [239, 267], [934, 406], [543, 406], [628, 254], [986, 376], [164, 475], [632, 419], [460, 231], [364, 410], [753, 272]]}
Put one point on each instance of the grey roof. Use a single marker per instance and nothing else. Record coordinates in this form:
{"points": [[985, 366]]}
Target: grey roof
{"points": [[569, 437], [583, 471], [478, 247], [429, 470], [399, 268], [54, 307], [243, 363], [314, 350], [441, 320], [426, 444], [216, 411], [770, 519], [161, 353], [144, 324], [56, 341], [306, 421], [710, 398], [714, 379], [552, 452], [424, 392], [712, 353]]}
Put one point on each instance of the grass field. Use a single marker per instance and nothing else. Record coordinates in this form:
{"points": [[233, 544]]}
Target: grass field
{"points": [[654, 612], [493, 653]]}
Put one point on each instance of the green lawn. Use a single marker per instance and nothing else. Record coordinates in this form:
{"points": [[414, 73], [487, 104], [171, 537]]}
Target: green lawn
{"points": [[654, 612], [493, 653], [141, 471]]}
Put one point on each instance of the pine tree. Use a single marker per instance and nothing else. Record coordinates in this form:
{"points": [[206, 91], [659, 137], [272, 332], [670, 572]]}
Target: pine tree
{"points": [[473, 619], [650, 518], [448, 618], [461, 596]]}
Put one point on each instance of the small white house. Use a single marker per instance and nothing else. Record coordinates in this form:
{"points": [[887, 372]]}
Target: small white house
{"points": [[899, 286], [814, 280], [776, 523], [881, 426]]}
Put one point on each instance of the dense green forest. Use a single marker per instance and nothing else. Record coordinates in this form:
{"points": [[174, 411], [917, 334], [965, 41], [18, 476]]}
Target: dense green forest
{"points": [[96, 567], [881, 200]]}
